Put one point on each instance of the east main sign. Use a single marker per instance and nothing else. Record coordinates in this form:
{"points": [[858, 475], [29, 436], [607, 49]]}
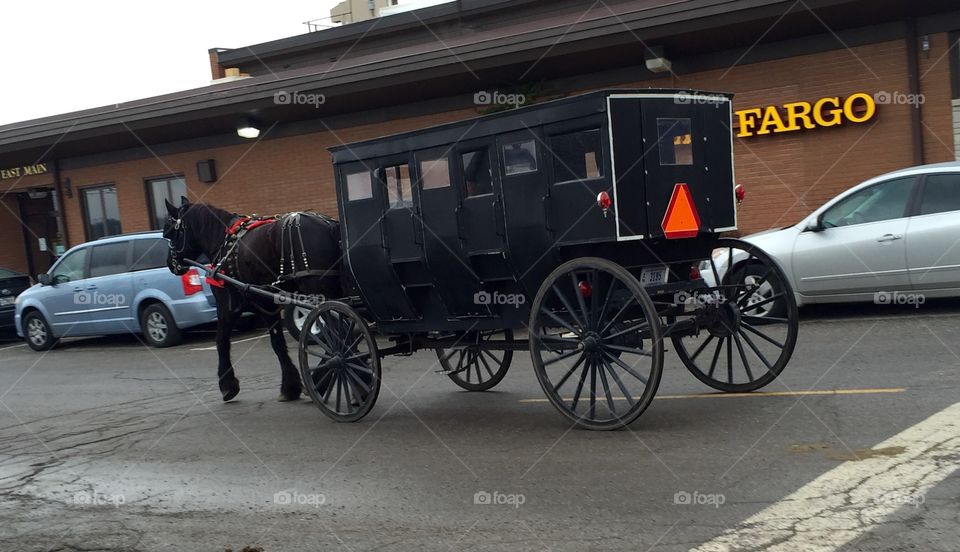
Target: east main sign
{"points": [[26, 170]]}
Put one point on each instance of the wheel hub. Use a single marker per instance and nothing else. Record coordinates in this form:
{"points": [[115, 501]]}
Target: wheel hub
{"points": [[591, 343], [724, 320]]}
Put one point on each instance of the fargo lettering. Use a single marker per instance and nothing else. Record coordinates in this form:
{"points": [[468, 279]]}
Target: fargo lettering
{"points": [[790, 117]]}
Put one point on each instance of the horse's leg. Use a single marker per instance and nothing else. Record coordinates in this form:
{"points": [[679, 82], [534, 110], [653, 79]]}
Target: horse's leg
{"points": [[290, 387], [229, 385]]}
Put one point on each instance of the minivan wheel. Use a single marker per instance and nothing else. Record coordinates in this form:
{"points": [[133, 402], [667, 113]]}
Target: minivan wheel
{"points": [[37, 332], [159, 327]]}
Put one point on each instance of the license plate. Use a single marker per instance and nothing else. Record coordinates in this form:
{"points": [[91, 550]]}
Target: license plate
{"points": [[653, 275], [4, 301]]}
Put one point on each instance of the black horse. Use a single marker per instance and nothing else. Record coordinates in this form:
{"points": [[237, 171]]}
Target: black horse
{"points": [[253, 250]]}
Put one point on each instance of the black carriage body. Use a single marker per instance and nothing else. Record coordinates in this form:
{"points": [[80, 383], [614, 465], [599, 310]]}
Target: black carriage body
{"points": [[455, 227]]}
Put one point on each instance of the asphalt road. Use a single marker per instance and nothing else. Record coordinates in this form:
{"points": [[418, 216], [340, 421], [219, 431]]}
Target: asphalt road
{"points": [[108, 445]]}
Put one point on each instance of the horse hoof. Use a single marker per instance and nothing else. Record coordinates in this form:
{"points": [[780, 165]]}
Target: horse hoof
{"points": [[230, 390], [287, 397]]}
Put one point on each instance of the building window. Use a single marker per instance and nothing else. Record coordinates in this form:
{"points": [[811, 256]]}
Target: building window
{"points": [[397, 179], [520, 157], [577, 156], [170, 188], [101, 213]]}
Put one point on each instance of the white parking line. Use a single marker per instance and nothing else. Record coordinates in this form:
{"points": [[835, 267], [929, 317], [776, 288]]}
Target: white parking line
{"points": [[214, 347], [13, 346], [852, 498]]}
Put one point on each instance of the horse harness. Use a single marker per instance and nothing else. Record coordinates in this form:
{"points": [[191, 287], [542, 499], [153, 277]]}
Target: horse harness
{"points": [[290, 229]]}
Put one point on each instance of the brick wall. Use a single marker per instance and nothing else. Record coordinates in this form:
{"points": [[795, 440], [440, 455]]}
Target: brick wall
{"points": [[786, 175], [12, 253]]}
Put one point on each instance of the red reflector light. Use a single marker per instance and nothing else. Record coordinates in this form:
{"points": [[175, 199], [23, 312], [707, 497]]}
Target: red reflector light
{"points": [[695, 272], [604, 201], [191, 282], [585, 289], [739, 192]]}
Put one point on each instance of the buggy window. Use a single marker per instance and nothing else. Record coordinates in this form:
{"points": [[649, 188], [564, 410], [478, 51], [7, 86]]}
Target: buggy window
{"points": [[577, 155], [435, 173], [359, 186], [675, 138], [477, 177], [519, 157], [397, 179]]}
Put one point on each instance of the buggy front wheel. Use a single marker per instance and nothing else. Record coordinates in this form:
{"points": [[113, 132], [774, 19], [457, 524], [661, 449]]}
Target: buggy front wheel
{"points": [[747, 320], [596, 343], [339, 362]]}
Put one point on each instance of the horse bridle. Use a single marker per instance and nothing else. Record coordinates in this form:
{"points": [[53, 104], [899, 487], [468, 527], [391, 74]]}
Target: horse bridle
{"points": [[176, 254]]}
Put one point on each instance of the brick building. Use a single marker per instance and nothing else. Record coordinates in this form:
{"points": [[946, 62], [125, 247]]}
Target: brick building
{"points": [[73, 177]]}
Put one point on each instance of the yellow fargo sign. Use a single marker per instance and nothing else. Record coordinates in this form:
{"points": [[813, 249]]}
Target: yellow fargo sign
{"points": [[791, 117]]}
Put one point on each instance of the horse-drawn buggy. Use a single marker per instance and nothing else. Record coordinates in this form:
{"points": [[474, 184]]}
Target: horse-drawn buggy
{"points": [[585, 230]]}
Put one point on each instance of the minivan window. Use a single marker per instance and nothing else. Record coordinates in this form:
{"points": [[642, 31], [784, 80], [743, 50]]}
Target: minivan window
{"points": [[149, 253], [941, 194], [70, 267], [109, 258], [884, 201]]}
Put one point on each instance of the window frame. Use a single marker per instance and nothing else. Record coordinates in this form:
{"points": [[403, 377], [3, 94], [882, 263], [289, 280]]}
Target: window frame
{"points": [[128, 250], [601, 150], [908, 210], [484, 148], [371, 178], [148, 191], [507, 142], [85, 209]]}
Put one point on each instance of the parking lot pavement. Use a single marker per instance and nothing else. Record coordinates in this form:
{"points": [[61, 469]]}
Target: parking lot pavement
{"points": [[107, 445]]}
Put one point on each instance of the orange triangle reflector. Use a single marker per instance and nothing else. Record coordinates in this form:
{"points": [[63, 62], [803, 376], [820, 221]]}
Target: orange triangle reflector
{"points": [[681, 219]]}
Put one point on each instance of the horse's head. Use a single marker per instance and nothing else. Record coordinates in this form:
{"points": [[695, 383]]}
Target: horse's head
{"points": [[183, 244]]}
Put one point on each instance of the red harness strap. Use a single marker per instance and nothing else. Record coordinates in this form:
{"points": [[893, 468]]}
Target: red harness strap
{"points": [[241, 227]]}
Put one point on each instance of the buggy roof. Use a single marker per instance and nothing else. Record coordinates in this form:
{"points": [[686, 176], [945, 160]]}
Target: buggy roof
{"points": [[496, 123]]}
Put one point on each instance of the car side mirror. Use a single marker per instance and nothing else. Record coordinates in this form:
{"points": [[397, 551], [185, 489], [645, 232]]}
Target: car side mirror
{"points": [[45, 279], [815, 225]]}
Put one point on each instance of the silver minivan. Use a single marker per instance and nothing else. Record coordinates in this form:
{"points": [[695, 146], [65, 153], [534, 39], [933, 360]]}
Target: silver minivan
{"points": [[114, 285]]}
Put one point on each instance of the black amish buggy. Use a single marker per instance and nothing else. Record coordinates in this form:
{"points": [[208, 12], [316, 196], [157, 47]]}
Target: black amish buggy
{"points": [[586, 230]]}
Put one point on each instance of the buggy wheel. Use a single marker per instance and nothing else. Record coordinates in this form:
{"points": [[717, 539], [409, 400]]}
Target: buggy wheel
{"points": [[474, 367], [339, 363], [747, 317], [596, 343]]}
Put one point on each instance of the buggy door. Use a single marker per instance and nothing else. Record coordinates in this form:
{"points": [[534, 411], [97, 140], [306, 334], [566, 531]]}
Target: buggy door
{"points": [[364, 207], [480, 214], [444, 251]]}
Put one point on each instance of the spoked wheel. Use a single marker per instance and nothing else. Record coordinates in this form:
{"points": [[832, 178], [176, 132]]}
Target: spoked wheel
{"points": [[748, 319], [474, 367], [339, 362], [595, 342]]}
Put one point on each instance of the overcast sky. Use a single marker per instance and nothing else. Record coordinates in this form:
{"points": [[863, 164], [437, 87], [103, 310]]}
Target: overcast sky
{"points": [[61, 56]]}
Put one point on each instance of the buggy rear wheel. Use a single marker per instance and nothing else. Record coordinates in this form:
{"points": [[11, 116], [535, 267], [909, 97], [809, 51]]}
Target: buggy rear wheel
{"points": [[339, 362], [596, 343], [474, 367], [747, 317]]}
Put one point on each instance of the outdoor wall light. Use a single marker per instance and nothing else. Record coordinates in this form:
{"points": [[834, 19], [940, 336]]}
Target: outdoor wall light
{"points": [[656, 61], [248, 129]]}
